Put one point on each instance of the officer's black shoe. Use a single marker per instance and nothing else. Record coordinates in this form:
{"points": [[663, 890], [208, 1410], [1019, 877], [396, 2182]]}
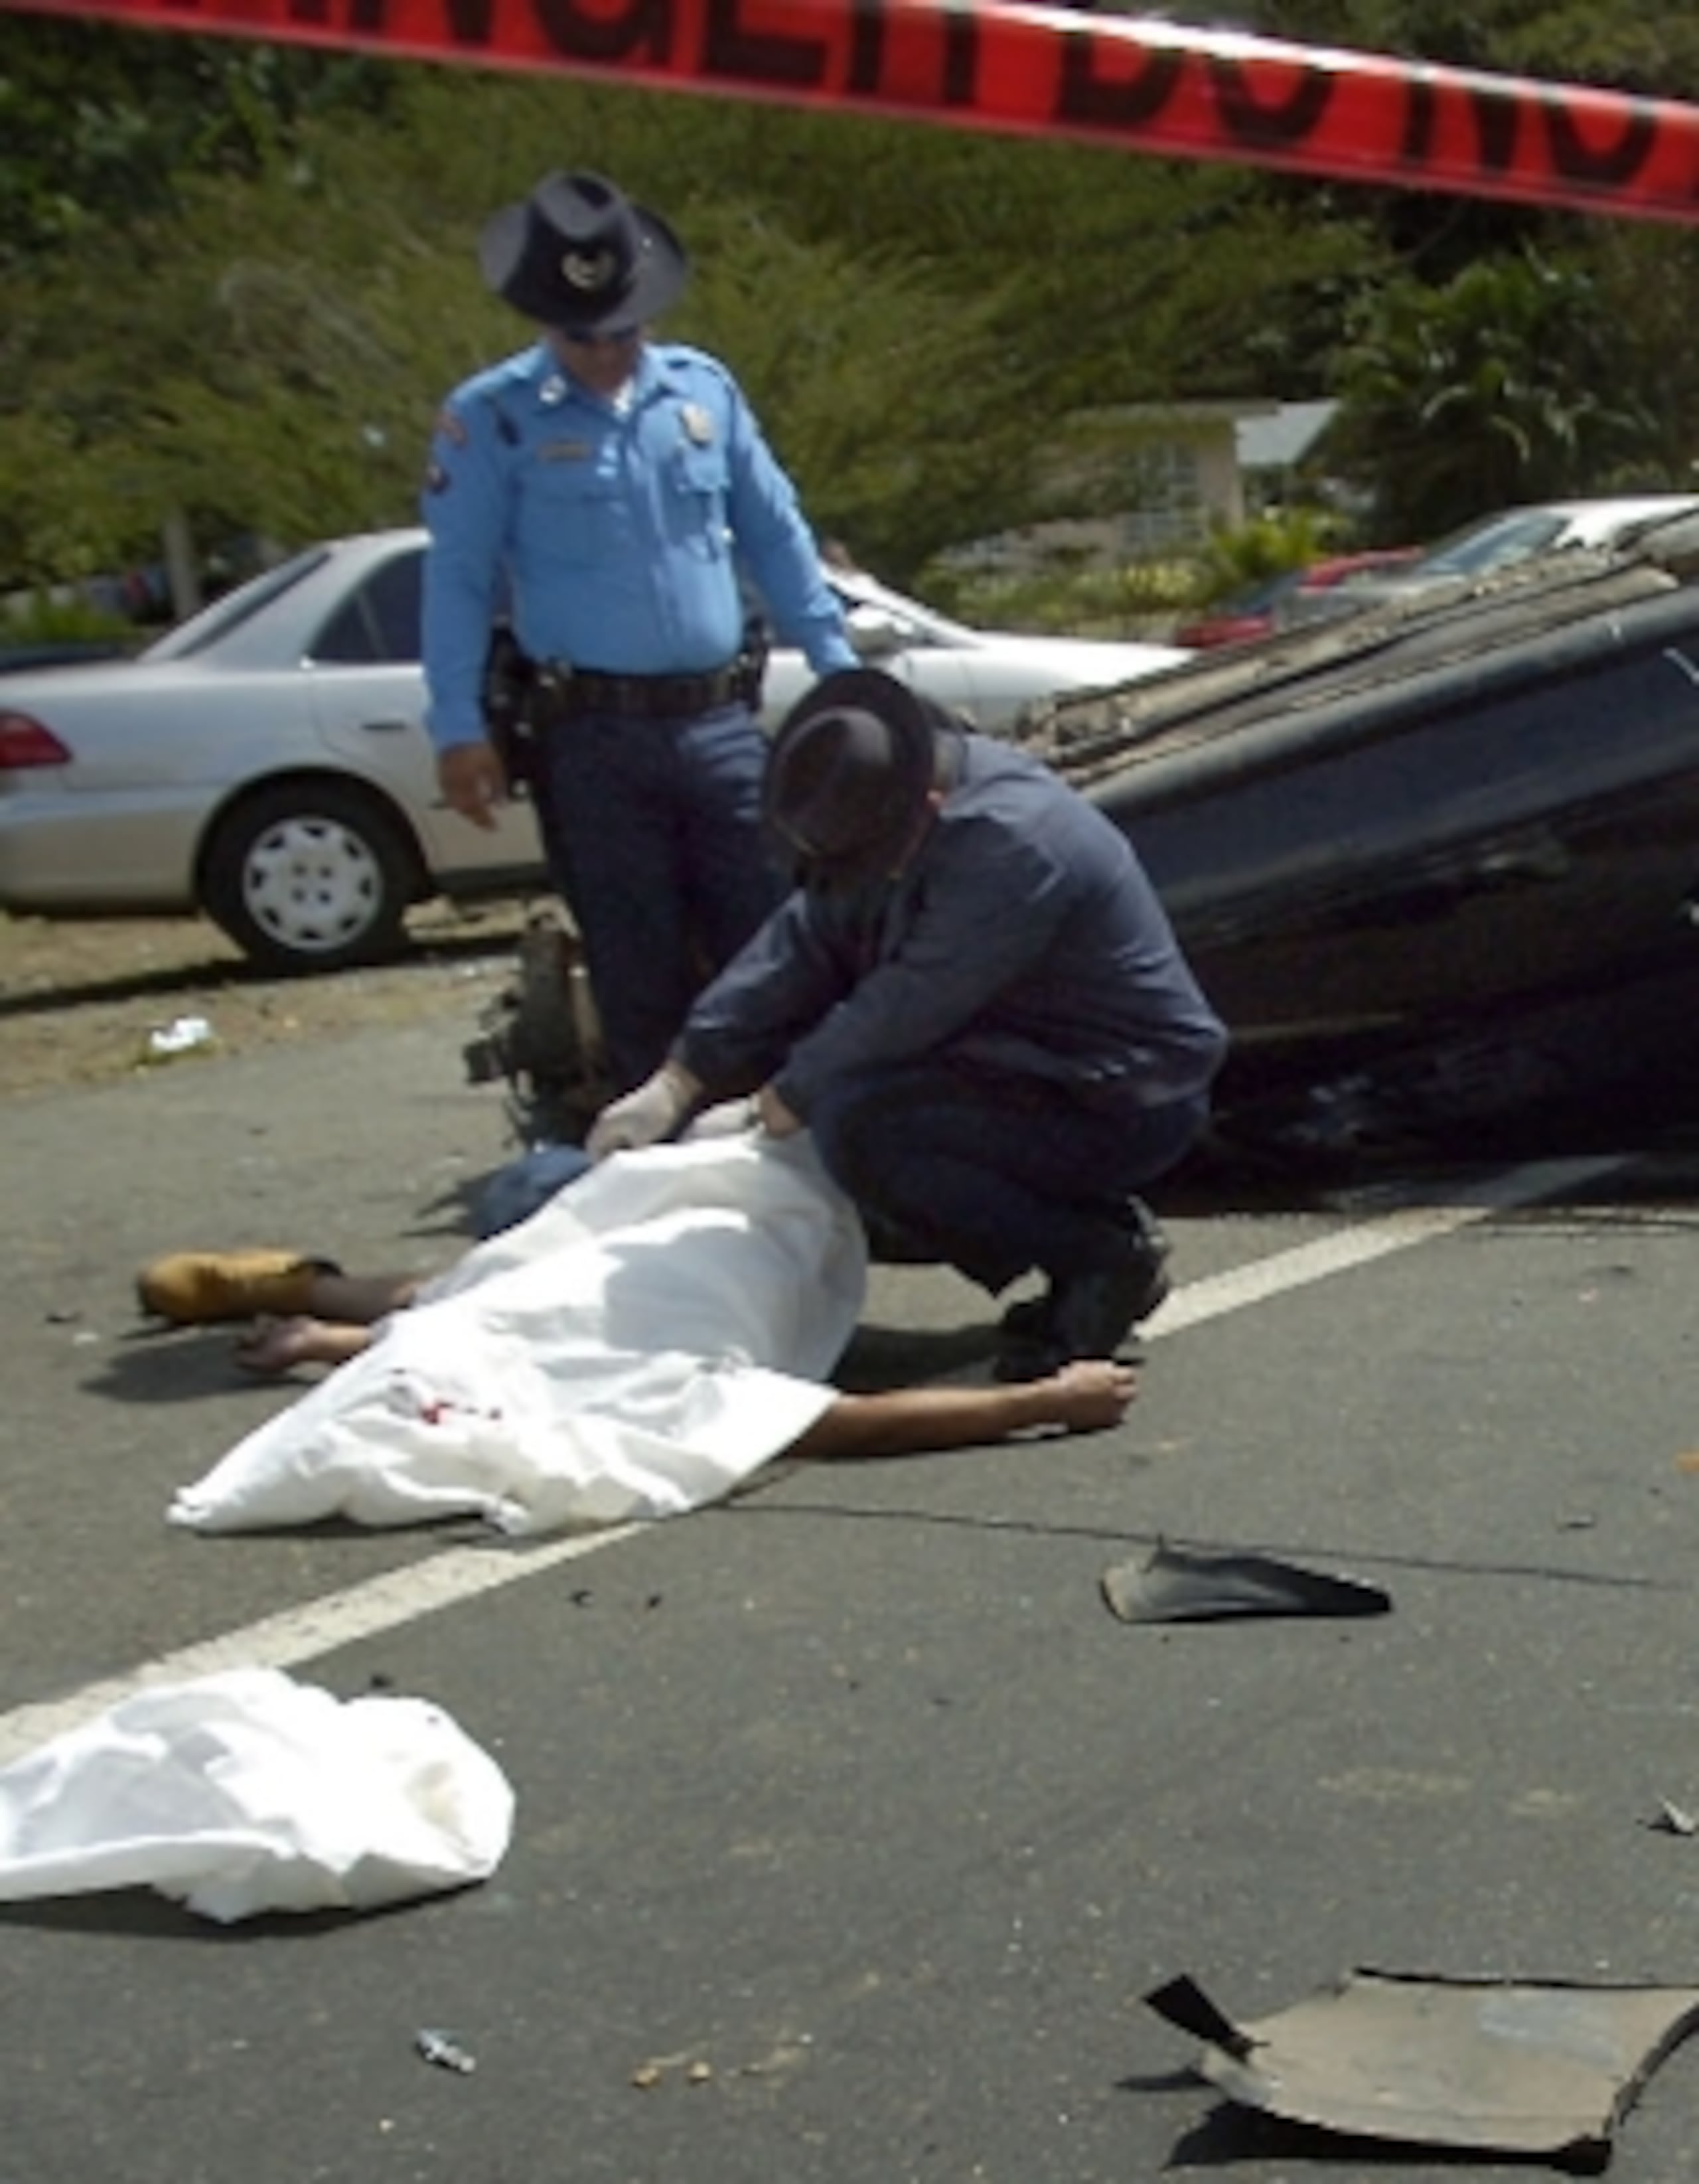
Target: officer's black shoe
{"points": [[1150, 1246], [1030, 1321], [1092, 1314], [889, 1244], [1026, 1345], [1087, 1315]]}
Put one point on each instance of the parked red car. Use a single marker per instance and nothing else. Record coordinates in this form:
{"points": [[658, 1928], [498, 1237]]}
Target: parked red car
{"points": [[1270, 605]]}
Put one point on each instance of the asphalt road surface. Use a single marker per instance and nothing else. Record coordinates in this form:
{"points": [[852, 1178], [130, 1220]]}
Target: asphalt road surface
{"points": [[851, 1828]]}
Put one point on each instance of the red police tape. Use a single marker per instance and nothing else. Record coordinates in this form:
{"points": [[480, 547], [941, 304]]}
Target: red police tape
{"points": [[1157, 87]]}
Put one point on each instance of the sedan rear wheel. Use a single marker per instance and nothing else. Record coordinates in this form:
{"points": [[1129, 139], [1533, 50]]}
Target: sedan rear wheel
{"points": [[310, 876]]}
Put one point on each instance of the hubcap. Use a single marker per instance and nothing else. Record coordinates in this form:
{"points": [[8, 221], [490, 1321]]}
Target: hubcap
{"points": [[312, 886]]}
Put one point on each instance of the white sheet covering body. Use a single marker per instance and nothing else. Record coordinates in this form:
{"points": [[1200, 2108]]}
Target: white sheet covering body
{"points": [[636, 1348], [248, 1792]]}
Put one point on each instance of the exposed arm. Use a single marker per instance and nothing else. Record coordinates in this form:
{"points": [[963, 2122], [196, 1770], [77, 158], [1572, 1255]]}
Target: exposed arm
{"points": [[1084, 1397]]}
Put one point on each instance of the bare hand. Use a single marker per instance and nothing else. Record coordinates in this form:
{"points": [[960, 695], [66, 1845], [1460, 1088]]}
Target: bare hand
{"points": [[776, 1118], [1094, 1392], [473, 782]]}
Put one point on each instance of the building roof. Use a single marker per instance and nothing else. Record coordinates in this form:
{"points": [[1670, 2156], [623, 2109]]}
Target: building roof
{"points": [[1275, 442]]}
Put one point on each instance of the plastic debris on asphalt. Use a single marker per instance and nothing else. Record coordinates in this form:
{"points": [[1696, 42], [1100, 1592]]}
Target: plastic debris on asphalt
{"points": [[182, 1035], [443, 2049], [245, 1792]]}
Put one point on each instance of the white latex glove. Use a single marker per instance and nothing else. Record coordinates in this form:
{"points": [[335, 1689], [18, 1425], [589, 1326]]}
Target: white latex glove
{"points": [[643, 1117], [729, 1119]]}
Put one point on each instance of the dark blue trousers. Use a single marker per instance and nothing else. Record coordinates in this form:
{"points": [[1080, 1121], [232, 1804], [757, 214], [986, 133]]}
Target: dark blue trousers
{"points": [[656, 824], [994, 1174]]}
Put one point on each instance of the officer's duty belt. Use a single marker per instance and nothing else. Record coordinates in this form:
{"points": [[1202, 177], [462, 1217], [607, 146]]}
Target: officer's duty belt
{"points": [[560, 692]]}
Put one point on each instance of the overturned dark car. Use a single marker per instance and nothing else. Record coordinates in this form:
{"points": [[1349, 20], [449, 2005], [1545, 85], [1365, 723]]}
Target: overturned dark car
{"points": [[1437, 863]]}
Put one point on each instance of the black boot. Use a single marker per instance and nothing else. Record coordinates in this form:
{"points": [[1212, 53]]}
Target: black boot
{"points": [[889, 1244], [1088, 1314]]}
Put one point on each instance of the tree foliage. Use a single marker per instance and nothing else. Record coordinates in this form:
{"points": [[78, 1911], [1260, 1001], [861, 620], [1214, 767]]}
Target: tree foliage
{"points": [[1503, 385], [240, 280], [910, 311], [99, 127]]}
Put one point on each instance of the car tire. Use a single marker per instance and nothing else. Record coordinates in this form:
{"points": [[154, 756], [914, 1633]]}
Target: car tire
{"points": [[309, 876]]}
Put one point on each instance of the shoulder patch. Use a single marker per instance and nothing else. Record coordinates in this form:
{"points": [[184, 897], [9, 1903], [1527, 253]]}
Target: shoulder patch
{"points": [[692, 369], [452, 427]]}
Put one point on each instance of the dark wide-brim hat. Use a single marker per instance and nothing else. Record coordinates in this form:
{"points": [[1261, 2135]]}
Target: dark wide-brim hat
{"points": [[848, 777], [579, 256]]}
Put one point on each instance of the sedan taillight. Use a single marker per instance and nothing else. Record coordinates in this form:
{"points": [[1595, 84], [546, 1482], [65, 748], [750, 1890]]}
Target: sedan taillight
{"points": [[26, 741]]}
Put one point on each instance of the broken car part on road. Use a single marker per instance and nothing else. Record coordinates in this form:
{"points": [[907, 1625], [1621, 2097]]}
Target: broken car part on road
{"points": [[1500, 2064]]}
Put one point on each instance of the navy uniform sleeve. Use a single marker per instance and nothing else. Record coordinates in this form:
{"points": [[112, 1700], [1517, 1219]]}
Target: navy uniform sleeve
{"points": [[984, 907], [465, 506], [794, 970]]}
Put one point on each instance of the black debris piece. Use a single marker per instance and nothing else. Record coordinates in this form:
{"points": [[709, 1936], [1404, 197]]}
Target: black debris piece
{"points": [[1178, 1585]]}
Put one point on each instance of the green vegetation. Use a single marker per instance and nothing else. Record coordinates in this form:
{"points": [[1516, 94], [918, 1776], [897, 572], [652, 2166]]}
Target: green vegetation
{"points": [[240, 279], [1249, 553], [1141, 598], [33, 617]]}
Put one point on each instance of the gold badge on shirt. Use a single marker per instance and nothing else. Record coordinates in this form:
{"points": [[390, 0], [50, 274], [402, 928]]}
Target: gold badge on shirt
{"points": [[698, 426]]}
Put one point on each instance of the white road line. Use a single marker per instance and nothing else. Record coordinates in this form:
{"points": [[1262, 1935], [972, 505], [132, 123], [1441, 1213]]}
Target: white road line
{"points": [[1421, 1218], [461, 1573], [316, 1627]]}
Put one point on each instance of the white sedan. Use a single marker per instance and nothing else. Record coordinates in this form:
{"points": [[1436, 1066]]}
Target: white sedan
{"points": [[1501, 541], [266, 762]]}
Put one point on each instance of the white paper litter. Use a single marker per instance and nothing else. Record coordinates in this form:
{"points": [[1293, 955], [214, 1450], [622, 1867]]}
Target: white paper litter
{"points": [[635, 1348], [247, 1792]]}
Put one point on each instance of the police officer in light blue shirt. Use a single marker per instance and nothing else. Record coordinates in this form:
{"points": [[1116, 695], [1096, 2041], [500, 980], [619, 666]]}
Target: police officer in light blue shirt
{"points": [[607, 492]]}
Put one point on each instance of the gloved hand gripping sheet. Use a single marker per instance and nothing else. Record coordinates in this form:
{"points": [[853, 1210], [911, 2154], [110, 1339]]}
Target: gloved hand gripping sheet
{"points": [[248, 1792], [635, 1348]]}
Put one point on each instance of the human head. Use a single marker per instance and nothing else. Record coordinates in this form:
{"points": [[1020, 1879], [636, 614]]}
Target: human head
{"points": [[581, 260], [853, 777]]}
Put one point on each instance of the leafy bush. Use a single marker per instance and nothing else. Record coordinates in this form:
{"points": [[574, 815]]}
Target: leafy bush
{"points": [[1137, 600], [1238, 556]]}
